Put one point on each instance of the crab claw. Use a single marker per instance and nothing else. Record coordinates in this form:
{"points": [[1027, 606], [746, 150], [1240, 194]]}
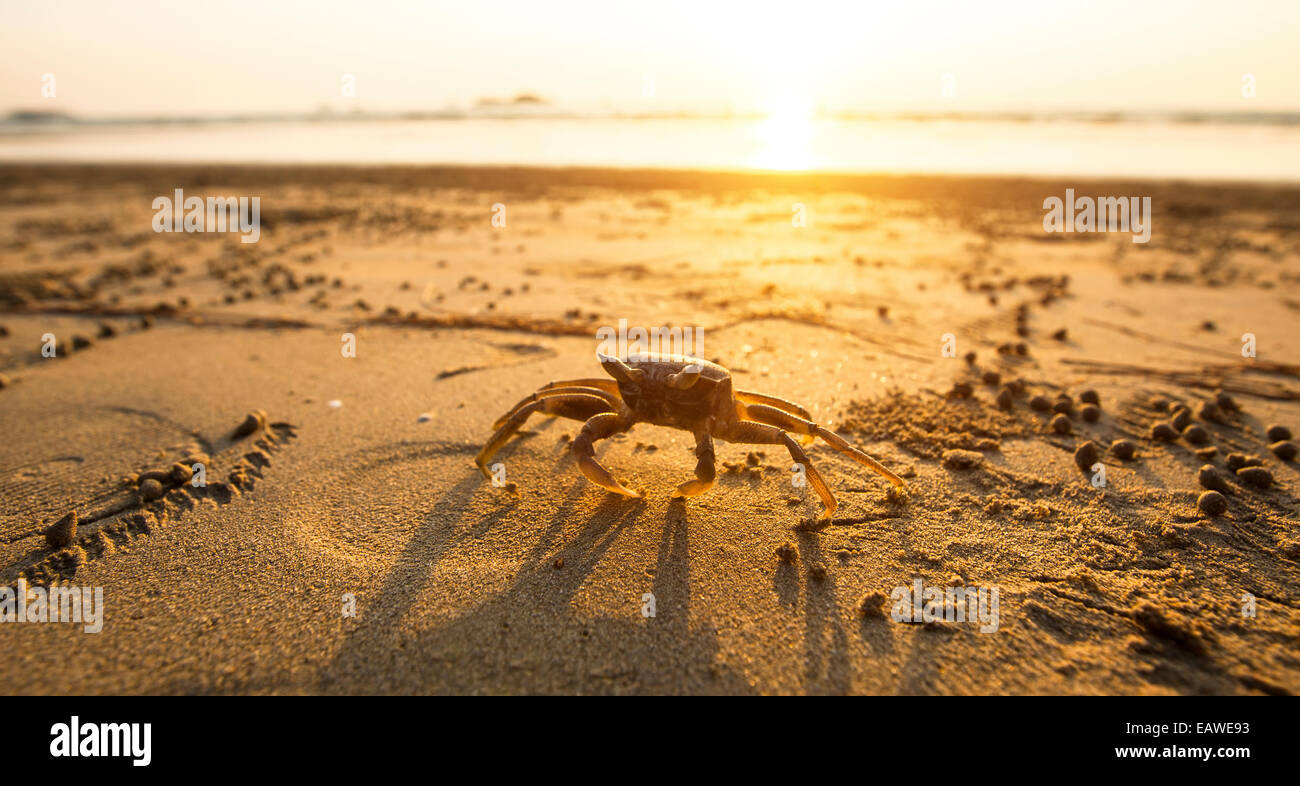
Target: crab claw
{"points": [[621, 371], [686, 378]]}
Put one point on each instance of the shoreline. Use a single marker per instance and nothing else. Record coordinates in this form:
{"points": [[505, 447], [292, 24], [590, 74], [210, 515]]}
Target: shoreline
{"points": [[619, 178]]}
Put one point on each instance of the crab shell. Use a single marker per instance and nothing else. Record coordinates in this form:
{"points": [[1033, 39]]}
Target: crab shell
{"points": [[678, 391]]}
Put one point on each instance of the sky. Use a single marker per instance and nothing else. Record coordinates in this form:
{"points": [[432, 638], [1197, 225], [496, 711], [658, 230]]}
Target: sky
{"points": [[128, 57]]}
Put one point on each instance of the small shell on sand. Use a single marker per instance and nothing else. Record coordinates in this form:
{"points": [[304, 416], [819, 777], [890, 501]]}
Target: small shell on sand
{"points": [[1182, 418], [1196, 435], [1091, 413], [425, 417], [63, 532], [1164, 432], [1210, 478], [1225, 402], [1090, 396], [150, 489], [334, 403], [1213, 503], [1256, 476], [962, 459], [1236, 461], [1005, 398], [1285, 449], [1061, 424], [1040, 403], [1086, 455], [1124, 449], [1277, 433], [253, 421], [1207, 410]]}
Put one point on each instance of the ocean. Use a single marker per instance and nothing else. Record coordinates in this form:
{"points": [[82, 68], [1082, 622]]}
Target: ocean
{"points": [[1132, 147]]}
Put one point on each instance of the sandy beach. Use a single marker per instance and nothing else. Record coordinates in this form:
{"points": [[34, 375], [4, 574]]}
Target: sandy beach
{"points": [[931, 321]]}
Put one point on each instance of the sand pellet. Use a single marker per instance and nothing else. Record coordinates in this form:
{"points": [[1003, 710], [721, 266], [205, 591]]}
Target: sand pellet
{"points": [[1212, 502]]}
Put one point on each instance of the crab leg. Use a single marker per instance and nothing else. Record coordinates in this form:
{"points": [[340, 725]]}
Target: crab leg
{"points": [[704, 468], [750, 433], [577, 406], [774, 417], [749, 397], [549, 391], [599, 383], [599, 427]]}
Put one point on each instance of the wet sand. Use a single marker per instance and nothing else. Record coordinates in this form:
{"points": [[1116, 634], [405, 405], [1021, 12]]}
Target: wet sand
{"points": [[357, 477]]}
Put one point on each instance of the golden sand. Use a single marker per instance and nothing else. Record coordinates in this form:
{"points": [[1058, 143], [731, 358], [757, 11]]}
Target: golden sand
{"points": [[354, 476]]}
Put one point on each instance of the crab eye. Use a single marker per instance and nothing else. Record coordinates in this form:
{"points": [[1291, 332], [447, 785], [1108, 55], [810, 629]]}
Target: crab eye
{"points": [[621, 371], [686, 378]]}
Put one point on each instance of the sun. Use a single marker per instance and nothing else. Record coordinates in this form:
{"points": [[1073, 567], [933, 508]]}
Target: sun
{"points": [[786, 132]]}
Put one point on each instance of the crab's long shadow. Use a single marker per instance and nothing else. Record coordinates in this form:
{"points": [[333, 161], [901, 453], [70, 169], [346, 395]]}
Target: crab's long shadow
{"points": [[529, 637], [827, 669], [826, 664], [403, 584]]}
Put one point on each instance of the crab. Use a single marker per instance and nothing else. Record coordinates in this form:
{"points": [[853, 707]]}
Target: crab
{"points": [[682, 392]]}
